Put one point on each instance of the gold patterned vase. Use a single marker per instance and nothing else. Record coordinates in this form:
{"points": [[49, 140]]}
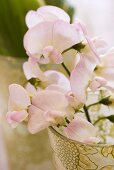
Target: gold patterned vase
{"points": [[73, 155]]}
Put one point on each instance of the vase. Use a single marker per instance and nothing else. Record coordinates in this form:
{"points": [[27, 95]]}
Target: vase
{"points": [[74, 155], [23, 150]]}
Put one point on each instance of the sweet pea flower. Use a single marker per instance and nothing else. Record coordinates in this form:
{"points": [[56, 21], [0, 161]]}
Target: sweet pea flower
{"points": [[81, 130], [48, 108], [46, 41], [45, 13], [83, 71], [97, 82], [18, 105], [81, 76], [74, 103], [32, 70], [106, 69]]}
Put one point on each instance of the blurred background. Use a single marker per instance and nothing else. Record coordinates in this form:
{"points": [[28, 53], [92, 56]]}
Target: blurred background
{"points": [[18, 149]]}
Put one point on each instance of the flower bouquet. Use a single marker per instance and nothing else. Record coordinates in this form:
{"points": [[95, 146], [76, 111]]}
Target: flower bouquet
{"points": [[76, 103]]}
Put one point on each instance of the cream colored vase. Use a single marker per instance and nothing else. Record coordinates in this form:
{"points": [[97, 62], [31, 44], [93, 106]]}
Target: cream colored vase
{"points": [[23, 151], [72, 155]]}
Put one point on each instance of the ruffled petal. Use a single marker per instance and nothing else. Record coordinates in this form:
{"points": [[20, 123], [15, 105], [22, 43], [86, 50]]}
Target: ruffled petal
{"points": [[82, 27], [37, 38], [81, 76], [48, 34], [53, 55], [45, 13], [55, 117], [108, 58], [97, 82], [36, 121], [52, 13], [108, 74], [56, 87], [80, 129], [32, 18], [32, 70], [55, 77], [30, 89], [63, 40], [15, 117], [18, 99], [50, 100], [70, 59], [100, 44]]}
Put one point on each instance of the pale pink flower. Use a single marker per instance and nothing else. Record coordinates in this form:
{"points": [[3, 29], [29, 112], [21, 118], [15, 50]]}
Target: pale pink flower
{"points": [[81, 76], [74, 103], [106, 68], [18, 104], [79, 25], [100, 44], [83, 71], [46, 13], [32, 70], [49, 107], [46, 41], [97, 82], [81, 130]]}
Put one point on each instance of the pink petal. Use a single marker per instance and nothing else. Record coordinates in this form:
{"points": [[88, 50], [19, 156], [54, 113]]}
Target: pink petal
{"points": [[37, 38], [50, 100], [97, 82], [63, 40], [53, 54], [30, 89], [100, 44], [81, 76], [108, 74], [56, 88], [32, 70], [50, 34], [70, 59], [55, 117], [52, 13], [32, 18], [73, 101], [90, 43], [37, 121], [80, 129], [56, 77], [18, 98], [92, 140], [108, 58], [16, 117], [45, 13]]}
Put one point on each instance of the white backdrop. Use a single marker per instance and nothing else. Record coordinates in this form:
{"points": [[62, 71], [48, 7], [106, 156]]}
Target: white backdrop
{"points": [[98, 16]]}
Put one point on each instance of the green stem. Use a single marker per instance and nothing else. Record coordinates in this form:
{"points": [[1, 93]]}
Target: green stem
{"points": [[99, 120], [66, 69], [87, 113], [93, 104]]}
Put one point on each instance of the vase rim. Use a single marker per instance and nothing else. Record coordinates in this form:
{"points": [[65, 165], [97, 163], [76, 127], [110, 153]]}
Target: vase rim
{"points": [[53, 130]]}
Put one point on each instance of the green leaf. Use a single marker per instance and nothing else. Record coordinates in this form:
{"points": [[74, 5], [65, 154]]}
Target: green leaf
{"points": [[12, 25], [111, 118], [35, 82], [106, 101]]}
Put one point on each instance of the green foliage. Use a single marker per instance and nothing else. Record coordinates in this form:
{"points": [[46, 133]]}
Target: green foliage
{"points": [[111, 118], [12, 23]]}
